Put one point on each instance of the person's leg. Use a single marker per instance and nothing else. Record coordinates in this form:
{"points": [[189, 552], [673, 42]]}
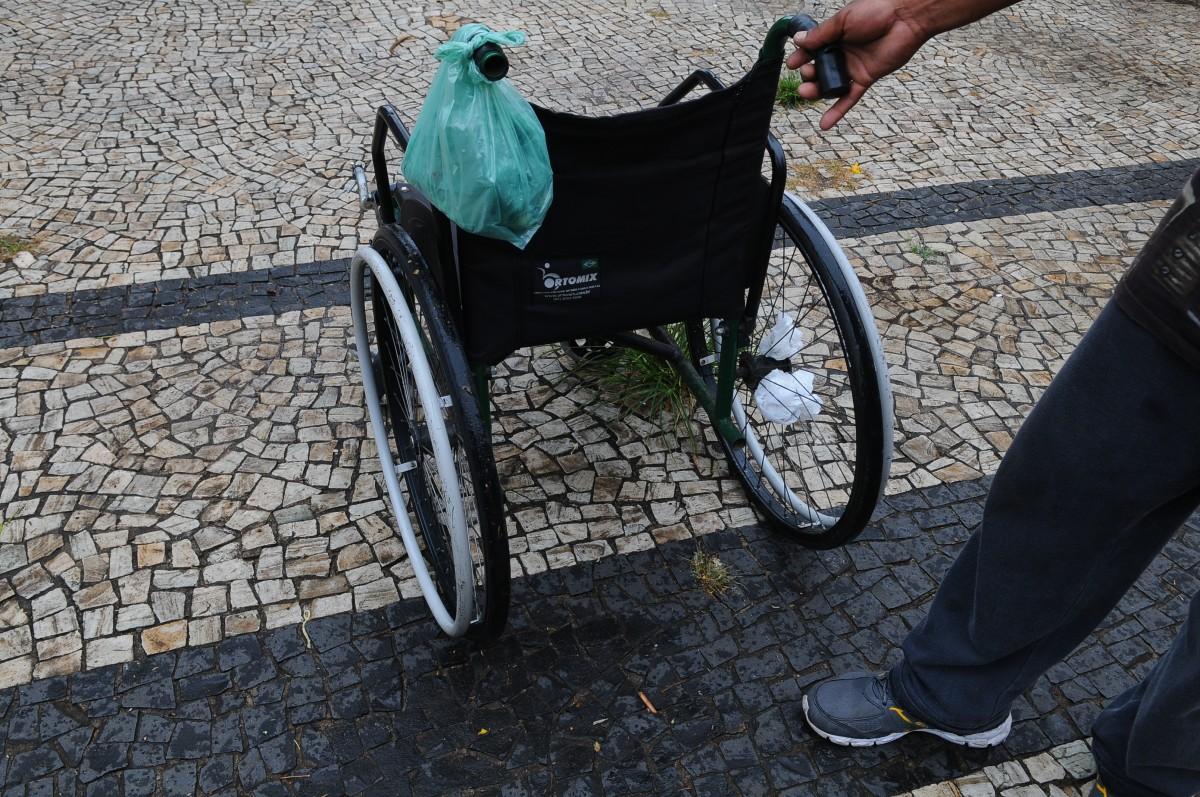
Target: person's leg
{"points": [[1147, 741], [1100, 476]]}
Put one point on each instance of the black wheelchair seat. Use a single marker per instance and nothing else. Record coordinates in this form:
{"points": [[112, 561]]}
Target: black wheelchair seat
{"points": [[657, 216]]}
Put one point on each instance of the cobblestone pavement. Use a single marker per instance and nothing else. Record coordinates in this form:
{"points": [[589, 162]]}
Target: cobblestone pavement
{"points": [[181, 489], [376, 702], [178, 485], [1062, 771], [32, 315], [168, 140], [200, 590]]}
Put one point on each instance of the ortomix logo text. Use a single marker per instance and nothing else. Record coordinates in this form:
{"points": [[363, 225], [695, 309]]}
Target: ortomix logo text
{"points": [[553, 281]]}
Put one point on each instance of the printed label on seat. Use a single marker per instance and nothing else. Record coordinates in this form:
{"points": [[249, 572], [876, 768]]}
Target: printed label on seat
{"points": [[566, 280]]}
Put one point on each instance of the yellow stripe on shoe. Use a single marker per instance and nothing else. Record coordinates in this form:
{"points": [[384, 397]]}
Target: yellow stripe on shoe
{"points": [[900, 713]]}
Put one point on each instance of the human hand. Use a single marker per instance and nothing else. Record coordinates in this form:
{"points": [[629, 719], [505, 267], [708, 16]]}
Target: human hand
{"points": [[877, 36]]}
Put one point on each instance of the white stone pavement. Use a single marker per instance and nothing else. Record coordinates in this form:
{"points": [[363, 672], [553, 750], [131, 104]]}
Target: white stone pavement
{"points": [[169, 139]]}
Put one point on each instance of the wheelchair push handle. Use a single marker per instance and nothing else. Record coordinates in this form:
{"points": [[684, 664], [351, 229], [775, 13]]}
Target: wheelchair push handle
{"points": [[832, 77], [830, 62]]}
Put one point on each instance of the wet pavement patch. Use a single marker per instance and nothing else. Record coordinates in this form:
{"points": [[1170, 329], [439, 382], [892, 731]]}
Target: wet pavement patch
{"points": [[379, 703]]}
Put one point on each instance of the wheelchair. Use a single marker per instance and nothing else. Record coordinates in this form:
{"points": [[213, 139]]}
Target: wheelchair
{"points": [[671, 233]]}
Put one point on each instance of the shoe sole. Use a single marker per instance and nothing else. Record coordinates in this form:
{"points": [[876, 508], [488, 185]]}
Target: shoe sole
{"points": [[983, 739]]}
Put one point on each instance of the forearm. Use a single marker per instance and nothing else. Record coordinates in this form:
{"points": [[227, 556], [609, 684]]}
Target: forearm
{"points": [[878, 37], [938, 16]]}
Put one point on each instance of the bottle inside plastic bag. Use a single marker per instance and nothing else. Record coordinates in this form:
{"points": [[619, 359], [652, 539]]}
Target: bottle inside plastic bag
{"points": [[478, 150]]}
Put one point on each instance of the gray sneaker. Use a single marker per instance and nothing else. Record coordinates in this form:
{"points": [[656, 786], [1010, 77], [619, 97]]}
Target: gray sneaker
{"points": [[857, 710]]}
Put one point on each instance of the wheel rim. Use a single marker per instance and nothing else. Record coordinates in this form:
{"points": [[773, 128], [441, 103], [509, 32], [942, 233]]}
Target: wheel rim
{"points": [[413, 442], [462, 468], [805, 473], [456, 623]]}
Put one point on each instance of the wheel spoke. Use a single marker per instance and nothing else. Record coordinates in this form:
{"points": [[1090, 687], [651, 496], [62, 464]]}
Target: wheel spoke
{"points": [[810, 466]]}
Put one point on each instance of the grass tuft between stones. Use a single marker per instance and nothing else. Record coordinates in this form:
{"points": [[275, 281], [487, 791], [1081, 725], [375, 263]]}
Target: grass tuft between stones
{"points": [[643, 384], [711, 573], [825, 174], [787, 94], [927, 253], [10, 245]]}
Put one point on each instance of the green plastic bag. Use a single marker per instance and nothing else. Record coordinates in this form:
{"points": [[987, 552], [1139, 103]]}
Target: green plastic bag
{"points": [[478, 150]]}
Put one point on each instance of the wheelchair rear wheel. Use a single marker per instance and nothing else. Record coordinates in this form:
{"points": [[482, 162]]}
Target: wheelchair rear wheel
{"points": [[817, 479], [434, 450]]}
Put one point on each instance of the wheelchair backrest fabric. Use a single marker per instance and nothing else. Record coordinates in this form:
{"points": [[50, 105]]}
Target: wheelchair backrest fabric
{"points": [[656, 217]]}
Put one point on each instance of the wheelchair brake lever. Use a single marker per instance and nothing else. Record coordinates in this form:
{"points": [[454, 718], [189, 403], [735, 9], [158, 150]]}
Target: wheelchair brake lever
{"points": [[830, 62]]}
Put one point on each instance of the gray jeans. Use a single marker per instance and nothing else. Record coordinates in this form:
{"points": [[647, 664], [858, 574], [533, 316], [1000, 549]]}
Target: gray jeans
{"points": [[1103, 472]]}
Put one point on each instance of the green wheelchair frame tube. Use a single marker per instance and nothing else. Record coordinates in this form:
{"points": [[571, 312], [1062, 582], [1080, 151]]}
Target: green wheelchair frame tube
{"points": [[777, 36], [721, 413]]}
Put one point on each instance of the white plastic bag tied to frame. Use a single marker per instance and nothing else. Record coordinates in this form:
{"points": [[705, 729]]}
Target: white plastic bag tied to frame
{"points": [[782, 397], [784, 341]]}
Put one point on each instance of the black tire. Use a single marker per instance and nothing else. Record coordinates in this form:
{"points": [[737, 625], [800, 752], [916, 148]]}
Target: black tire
{"points": [[470, 439], [854, 437]]}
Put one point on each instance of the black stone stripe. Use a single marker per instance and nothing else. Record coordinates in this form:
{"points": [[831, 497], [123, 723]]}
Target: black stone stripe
{"points": [[179, 302], [939, 205], [378, 703], [165, 304]]}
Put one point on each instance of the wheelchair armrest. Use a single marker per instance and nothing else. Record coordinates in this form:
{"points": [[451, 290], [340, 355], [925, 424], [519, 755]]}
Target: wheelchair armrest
{"points": [[693, 80]]}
